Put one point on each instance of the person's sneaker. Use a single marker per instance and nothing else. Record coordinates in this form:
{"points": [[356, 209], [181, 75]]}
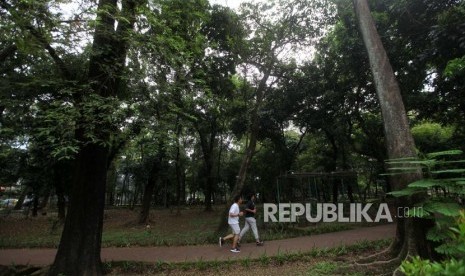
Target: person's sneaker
{"points": [[235, 250], [221, 241], [259, 243]]}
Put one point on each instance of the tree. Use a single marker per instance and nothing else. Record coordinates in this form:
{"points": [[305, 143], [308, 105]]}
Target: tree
{"points": [[289, 26], [79, 249], [411, 233]]}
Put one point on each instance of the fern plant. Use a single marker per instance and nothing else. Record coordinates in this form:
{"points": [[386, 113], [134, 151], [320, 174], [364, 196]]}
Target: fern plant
{"points": [[454, 249], [443, 184]]}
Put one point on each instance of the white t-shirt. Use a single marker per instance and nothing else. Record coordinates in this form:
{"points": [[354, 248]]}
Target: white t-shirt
{"points": [[234, 210]]}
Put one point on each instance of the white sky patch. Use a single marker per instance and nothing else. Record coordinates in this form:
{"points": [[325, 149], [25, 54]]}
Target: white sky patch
{"points": [[233, 4]]}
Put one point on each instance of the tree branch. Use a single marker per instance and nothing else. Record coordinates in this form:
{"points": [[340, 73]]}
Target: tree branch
{"points": [[52, 52], [41, 39]]}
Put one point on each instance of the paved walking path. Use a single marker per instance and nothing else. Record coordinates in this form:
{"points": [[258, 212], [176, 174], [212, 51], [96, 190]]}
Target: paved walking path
{"points": [[43, 257]]}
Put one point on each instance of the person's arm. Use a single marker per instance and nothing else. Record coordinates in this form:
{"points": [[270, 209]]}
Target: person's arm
{"points": [[235, 214], [247, 209], [251, 211]]}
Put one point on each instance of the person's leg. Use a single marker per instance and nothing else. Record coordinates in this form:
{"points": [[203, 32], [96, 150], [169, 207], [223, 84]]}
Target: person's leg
{"points": [[244, 230], [253, 225], [230, 236], [236, 238], [223, 239], [236, 231]]}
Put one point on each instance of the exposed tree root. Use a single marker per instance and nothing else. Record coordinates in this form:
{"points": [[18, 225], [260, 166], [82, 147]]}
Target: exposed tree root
{"points": [[396, 260], [383, 255], [378, 267]]}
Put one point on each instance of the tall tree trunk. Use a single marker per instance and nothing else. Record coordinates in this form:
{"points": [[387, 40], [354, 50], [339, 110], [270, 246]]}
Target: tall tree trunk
{"points": [[410, 235], [112, 177], [208, 143], [21, 198], [179, 169], [80, 244], [79, 249], [254, 129], [43, 204], [150, 187], [61, 205], [250, 150], [147, 198], [209, 180], [333, 166]]}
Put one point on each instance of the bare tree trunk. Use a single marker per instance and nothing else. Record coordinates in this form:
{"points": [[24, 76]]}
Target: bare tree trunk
{"points": [[208, 142], [148, 191], [61, 205], [21, 198], [254, 129], [410, 234], [43, 204], [250, 150], [147, 200]]}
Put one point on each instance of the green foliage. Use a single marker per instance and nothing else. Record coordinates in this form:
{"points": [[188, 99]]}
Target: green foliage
{"points": [[454, 239], [431, 137], [453, 247], [442, 185], [442, 188], [417, 266], [323, 268], [442, 182], [455, 67]]}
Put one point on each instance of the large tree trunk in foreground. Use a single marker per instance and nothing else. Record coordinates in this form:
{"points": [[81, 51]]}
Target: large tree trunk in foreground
{"points": [[79, 250], [410, 235], [80, 244]]}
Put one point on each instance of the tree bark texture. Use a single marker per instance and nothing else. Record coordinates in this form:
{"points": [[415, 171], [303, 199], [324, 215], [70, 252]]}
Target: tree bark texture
{"points": [[410, 235], [79, 249]]}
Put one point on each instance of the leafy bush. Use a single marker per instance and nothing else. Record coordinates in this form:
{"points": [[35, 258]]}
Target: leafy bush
{"points": [[455, 249], [443, 187]]}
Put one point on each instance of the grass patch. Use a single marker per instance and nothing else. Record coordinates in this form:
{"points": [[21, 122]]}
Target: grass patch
{"points": [[313, 262], [323, 268], [193, 226]]}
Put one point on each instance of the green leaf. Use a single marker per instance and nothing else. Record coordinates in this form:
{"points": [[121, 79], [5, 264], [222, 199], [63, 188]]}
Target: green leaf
{"points": [[449, 171], [423, 183], [435, 234], [446, 208], [404, 169], [418, 212], [443, 153], [454, 67], [406, 192], [399, 160]]}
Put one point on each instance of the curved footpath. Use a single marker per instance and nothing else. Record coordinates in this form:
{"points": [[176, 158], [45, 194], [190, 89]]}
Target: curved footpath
{"points": [[43, 257]]}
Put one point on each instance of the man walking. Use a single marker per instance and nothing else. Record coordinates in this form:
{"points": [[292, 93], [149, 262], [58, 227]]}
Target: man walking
{"points": [[233, 221], [250, 221]]}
